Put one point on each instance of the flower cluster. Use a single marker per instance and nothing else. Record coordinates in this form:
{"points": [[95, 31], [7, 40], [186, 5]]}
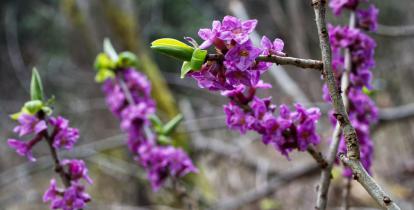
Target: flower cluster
{"points": [[73, 196], [238, 78], [362, 110], [128, 97]]}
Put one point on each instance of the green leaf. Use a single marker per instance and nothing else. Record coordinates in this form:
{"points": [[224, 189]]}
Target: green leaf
{"points": [[36, 88], [127, 59], [156, 122], [172, 124], [47, 110], [16, 115], [33, 106], [198, 58], [185, 68], [367, 91], [173, 48], [164, 140], [169, 42], [103, 75], [109, 50], [103, 61]]}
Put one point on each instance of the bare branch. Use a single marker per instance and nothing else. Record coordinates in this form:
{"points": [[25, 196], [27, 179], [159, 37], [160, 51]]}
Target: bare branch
{"points": [[267, 188], [346, 194], [384, 30], [322, 198], [348, 130]]}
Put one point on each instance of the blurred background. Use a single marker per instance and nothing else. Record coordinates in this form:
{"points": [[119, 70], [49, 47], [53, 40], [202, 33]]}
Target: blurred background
{"points": [[62, 38]]}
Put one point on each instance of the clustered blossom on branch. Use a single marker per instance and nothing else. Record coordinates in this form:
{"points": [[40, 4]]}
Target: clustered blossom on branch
{"points": [[34, 121], [238, 78], [160, 161], [362, 110]]}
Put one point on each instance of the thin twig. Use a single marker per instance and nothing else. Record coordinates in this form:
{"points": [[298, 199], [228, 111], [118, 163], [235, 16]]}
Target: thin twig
{"points": [[384, 30], [280, 60], [352, 158], [325, 181], [267, 188], [58, 166], [346, 194]]}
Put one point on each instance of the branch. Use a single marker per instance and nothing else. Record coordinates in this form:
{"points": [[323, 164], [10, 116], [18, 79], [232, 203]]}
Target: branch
{"points": [[349, 132], [280, 60], [362, 176], [267, 188], [384, 30], [325, 181], [346, 194]]}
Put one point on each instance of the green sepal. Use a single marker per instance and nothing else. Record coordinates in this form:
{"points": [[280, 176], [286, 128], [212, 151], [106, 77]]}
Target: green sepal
{"points": [[110, 50], [16, 115], [198, 58], [33, 106], [170, 126], [173, 48], [47, 110], [103, 61], [185, 68], [127, 59], [36, 87], [104, 74]]}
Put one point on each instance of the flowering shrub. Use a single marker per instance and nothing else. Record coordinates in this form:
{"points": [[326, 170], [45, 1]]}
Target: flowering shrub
{"points": [[362, 110], [128, 96], [35, 120], [237, 75]]}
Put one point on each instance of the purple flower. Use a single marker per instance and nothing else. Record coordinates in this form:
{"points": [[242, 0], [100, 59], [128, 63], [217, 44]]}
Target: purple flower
{"points": [[162, 162], [367, 19], [77, 170], [23, 148], [241, 56], [210, 36], [274, 48], [72, 198], [236, 118], [211, 76], [115, 98], [338, 5], [52, 192], [233, 28], [63, 135], [135, 116], [29, 124]]}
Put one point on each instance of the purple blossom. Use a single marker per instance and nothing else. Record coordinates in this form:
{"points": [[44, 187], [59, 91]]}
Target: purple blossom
{"points": [[52, 192], [233, 28], [236, 118], [242, 56], [162, 162], [23, 148], [115, 98], [211, 76], [274, 48], [135, 116], [338, 5], [63, 135], [210, 36], [72, 198], [29, 124], [77, 170], [367, 19]]}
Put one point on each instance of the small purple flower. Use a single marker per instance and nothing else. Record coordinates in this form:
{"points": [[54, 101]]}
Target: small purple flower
{"points": [[135, 116], [115, 98], [274, 48], [52, 192], [367, 19], [236, 118], [64, 136], [241, 56], [22, 148], [338, 5], [73, 198], [77, 170], [29, 124], [233, 28], [209, 36]]}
